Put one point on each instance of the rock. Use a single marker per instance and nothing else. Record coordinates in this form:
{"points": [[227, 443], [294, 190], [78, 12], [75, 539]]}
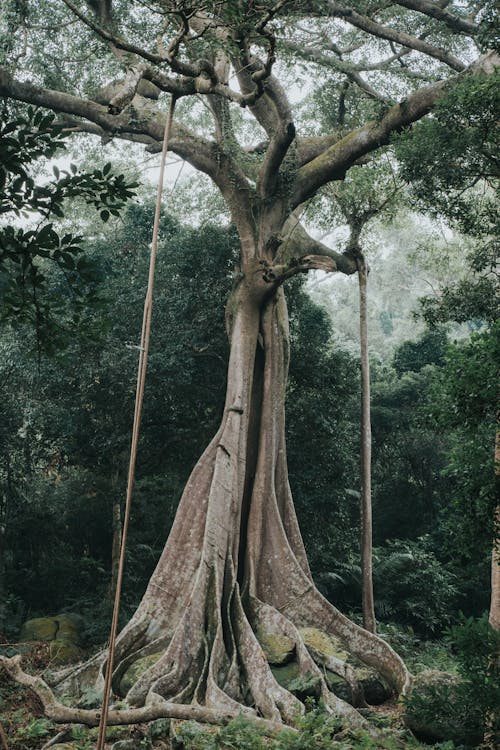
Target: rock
{"points": [[376, 690], [69, 629], [278, 648], [430, 710], [301, 685], [64, 627], [39, 629], [284, 675], [323, 643], [136, 670], [64, 652]]}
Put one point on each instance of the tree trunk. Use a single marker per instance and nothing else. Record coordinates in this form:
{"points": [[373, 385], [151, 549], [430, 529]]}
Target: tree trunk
{"points": [[368, 604], [494, 617], [234, 564], [117, 536]]}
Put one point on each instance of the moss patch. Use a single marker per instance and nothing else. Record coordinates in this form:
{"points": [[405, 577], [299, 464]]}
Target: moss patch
{"points": [[64, 652], [39, 629], [323, 643], [278, 648], [136, 670], [284, 675]]}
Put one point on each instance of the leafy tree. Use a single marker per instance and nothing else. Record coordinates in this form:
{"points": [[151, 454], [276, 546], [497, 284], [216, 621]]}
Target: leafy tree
{"points": [[39, 268], [235, 561]]}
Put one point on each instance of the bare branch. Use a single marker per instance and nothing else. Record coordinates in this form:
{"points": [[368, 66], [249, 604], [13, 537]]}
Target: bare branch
{"points": [[400, 37], [434, 10], [316, 55]]}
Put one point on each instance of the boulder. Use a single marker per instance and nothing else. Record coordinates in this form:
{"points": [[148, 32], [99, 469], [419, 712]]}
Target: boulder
{"points": [[69, 629], [39, 629], [64, 651], [375, 689], [63, 627], [435, 711]]}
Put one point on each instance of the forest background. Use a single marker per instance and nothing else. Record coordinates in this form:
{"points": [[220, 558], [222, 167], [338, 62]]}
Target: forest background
{"points": [[68, 383]]}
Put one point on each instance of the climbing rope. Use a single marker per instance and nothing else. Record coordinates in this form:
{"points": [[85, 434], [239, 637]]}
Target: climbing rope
{"points": [[139, 397]]}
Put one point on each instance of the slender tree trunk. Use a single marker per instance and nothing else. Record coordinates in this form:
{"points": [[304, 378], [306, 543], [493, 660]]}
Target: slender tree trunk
{"points": [[494, 617], [117, 537], [369, 621]]}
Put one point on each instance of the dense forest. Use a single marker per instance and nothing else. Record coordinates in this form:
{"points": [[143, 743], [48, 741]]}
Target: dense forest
{"points": [[319, 177]]}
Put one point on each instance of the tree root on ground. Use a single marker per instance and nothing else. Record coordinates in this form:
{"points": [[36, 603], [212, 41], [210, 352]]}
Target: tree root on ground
{"points": [[161, 709]]}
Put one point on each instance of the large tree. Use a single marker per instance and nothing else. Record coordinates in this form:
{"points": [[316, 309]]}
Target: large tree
{"points": [[234, 564]]}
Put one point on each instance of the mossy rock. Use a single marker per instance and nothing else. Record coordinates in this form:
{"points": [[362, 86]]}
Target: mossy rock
{"points": [[435, 711], [63, 627], [286, 674], [64, 652], [323, 643], [69, 629], [39, 629], [376, 690], [301, 685], [136, 670], [339, 686], [278, 648]]}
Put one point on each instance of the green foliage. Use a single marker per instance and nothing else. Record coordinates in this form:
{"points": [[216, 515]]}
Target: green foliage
{"points": [[444, 157], [327, 511], [40, 269], [315, 730], [412, 586], [429, 349], [464, 402], [468, 708]]}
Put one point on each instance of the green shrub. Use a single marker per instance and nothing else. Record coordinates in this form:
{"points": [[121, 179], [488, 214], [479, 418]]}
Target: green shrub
{"points": [[463, 709]]}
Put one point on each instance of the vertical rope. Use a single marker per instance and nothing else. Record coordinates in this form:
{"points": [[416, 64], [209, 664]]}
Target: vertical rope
{"points": [[139, 397]]}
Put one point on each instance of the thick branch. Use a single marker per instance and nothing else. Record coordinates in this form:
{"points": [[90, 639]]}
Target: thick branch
{"points": [[400, 37], [275, 153], [433, 10], [298, 251], [333, 163]]}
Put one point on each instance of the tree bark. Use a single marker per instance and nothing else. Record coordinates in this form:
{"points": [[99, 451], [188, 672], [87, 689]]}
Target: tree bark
{"points": [[369, 621], [235, 563], [494, 616], [116, 538]]}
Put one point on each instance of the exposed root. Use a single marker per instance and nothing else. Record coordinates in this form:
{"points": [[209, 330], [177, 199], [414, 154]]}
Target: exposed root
{"points": [[160, 709], [270, 620]]}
